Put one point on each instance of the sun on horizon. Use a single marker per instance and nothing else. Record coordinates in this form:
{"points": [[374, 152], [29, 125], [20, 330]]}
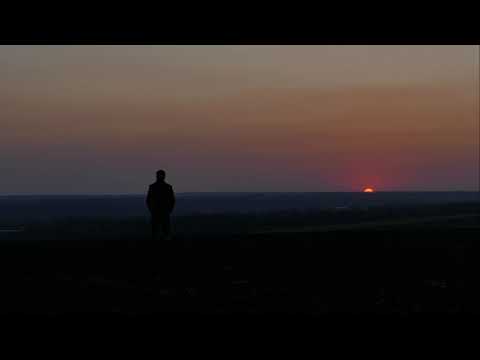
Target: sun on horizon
{"points": [[368, 190]]}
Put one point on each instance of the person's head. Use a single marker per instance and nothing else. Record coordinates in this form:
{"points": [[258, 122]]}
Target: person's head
{"points": [[161, 175]]}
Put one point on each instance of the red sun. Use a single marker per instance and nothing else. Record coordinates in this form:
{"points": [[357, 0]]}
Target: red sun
{"points": [[368, 190]]}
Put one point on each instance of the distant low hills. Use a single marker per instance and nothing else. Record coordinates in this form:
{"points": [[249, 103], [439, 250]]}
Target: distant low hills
{"points": [[34, 207]]}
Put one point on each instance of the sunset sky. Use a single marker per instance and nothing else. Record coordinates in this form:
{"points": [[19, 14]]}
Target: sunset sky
{"points": [[103, 119]]}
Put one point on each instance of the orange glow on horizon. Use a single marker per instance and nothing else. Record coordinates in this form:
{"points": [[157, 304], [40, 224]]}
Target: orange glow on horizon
{"points": [[368, 190]]}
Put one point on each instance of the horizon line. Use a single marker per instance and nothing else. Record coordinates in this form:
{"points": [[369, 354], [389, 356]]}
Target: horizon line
{"points": [[234, 192]]}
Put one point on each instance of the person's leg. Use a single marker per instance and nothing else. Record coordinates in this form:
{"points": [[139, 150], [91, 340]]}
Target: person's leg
{"points": [[155, 227], [159, 227], [167, 227]]}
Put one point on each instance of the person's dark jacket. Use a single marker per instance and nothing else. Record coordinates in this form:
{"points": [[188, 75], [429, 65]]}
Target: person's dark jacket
{"points": [[160, 198]]}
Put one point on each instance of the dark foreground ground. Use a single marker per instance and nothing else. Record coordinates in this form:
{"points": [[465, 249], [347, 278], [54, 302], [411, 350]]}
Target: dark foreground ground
{"points": [[402, 268]]}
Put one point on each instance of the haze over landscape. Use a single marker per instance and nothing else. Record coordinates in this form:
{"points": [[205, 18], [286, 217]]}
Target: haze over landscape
{"points": [[102, 119]]}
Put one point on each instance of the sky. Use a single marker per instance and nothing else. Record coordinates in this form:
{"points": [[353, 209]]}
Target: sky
{"points": [[103, 119]]}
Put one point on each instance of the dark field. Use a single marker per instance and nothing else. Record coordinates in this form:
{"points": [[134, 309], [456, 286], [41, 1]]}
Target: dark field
{"points": [[381, 260], [43, 207]]}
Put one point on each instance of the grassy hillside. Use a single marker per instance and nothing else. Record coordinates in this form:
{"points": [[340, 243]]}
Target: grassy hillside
{"points": [[403, 268]]}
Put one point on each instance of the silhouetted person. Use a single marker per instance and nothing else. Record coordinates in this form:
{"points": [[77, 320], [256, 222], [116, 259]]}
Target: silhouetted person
{"points": [[160, 201]]}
